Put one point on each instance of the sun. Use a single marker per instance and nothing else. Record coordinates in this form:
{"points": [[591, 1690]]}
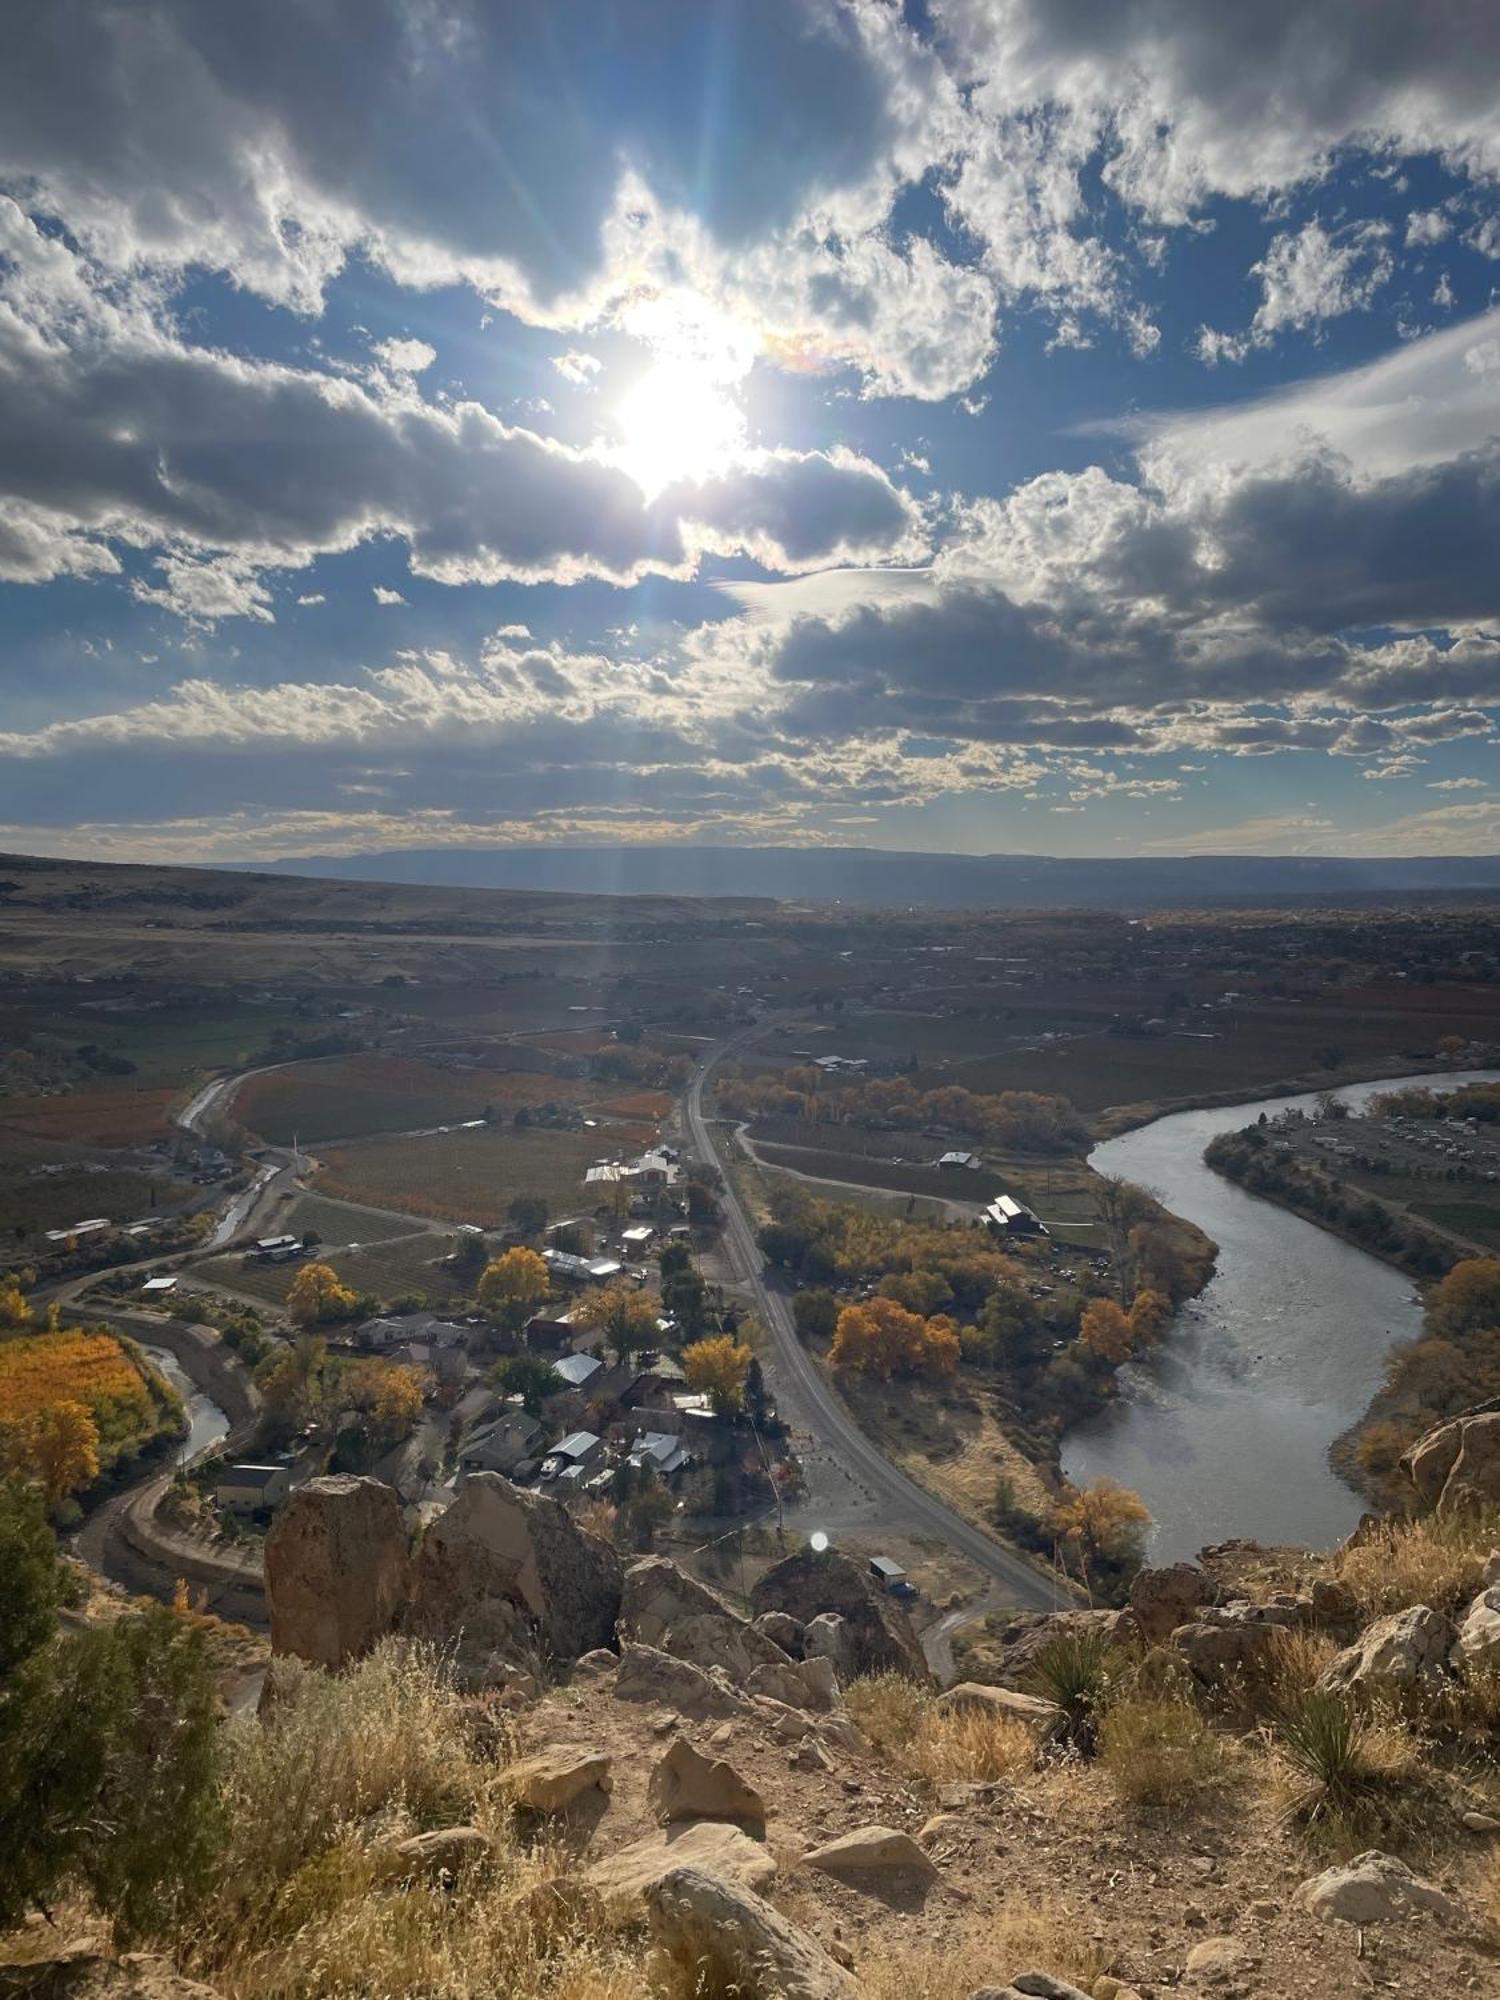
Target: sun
{"points": [[682, 418]]}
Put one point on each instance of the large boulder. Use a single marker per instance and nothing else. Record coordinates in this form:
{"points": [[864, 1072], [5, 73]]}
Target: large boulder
{"points": [[688, 1785], [1005, 1704], [661, 1606], [1163, 1599], [443, 1851], [503, 1563], [648, 1675], [1478, 1642], [1372, 1889], [337, 1569], [798, 1684], [718, 1846], [1457, 1464], [1407, 1649], [549, 1781], [870, 1850], [727, 1940], [1232, 1640], [879, 1634]]}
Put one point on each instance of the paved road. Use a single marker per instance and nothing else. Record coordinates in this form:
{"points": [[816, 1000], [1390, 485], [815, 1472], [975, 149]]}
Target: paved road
{"points": [[808, 1403]]}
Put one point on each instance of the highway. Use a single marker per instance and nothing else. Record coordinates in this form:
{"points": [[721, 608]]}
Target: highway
{"points": [[808, 1403]]}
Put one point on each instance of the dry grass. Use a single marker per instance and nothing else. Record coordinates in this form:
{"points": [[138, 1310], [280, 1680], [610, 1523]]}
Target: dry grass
{"points": [[1436, 1559], [1296, 1659], [1019, 1938], [1159, 1751], [923, 1741]]}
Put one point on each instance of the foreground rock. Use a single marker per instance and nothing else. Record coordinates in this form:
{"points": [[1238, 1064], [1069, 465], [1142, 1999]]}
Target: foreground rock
{"points": [[1163, 1599], [730, 1941], [1457, 1464], [1478, 1642], [687, 1785], [1034, 1986], [84, 1973], [869, 1849], [503, 1563], [979, 1698], [648, 1675], [1373, 1888], [797, 1683], [662, 1607], [337, 1569], [551, 1780], [878, 1633], [1409, 1649], [1026, 1634], [714, 1845]]}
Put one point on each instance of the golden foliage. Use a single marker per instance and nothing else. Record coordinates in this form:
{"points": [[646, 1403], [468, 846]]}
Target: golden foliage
{"points": [[1099, 1519], [718, 1367], [879, 1337], [1104, 1330], [513, 1286], [318, 1294], [57, 1446]]}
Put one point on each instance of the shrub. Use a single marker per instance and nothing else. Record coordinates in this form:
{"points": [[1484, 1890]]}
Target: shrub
{"points": [[1437, 1559], [1160, 1751], [923, 1741], [1073, 1672]]}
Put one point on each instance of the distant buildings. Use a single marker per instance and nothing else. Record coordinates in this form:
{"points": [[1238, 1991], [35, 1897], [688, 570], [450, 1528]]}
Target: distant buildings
{"points": [[1013, 1218]]}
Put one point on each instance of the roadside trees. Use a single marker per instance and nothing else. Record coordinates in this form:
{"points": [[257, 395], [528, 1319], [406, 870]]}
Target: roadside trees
{"points": [[881, 1338]]}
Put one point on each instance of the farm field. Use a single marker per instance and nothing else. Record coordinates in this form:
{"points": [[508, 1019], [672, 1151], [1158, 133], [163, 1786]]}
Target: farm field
{"points": [[340, 1221], [409, 1263], [116, 1116], [904, 1177], [30, 1203], [350, 1097], [130, 1404], [466, 1176]]}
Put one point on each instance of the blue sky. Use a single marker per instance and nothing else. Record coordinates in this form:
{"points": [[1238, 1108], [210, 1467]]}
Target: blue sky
{"points": [[1051, 425]]}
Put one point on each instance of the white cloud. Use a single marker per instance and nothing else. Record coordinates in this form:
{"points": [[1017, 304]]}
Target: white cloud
{"points": [[579, 369], [1456, 785], [1313, 275], [1425, 226], [387, 597], [406, 357], [312, 597]]}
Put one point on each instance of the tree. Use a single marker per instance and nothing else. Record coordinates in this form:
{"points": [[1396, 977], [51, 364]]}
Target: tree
{"points": [[626, 1318], [684, 1295], [718, 1368], [1149, 1312], [924, 1292], [1106, 1332], [674, 1257], [527, 1376], [513, 1287], [57, 1446], [1102, 1522], [317, 1295], [528, 1214], [396, 1401], [1468, 1297], [879, 1337], [816, 1313], [30, 1575], [14, 1311]]}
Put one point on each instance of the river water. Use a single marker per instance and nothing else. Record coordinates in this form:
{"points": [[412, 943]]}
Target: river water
{"points": [[1225, 1431], [207, 1423]]}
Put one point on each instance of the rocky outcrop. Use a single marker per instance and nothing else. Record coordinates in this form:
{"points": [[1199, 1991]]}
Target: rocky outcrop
{"points": [[827, 1637], [728, 1941], [337, 1569], [1457, 1464], [647, 1675], [1232, 1640], [880, 1635], [979, 1698], [797, 1683], [717, 1846], [687, 1785], [1372, 1889], [868, 1849], [1478, 1642], [551, 1780], [504, 1568], [782, 1631], [1026, 1634], [1163, 1599], [661, 1606], [1408, 1649]]}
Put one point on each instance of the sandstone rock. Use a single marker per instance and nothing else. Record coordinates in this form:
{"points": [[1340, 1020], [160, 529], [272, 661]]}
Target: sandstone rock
{"points": [[687, 1785], [827, 1637], [1038, 1986], [798, 1683], [869, 1848], [978, 1697], [1331, 1603], [787, 1725], [1480, 1822], [1217, 1958], [1372, 1889], [782, 1630], [82, 1972], [595, 1665], [552, 1779], [715, 1845], [446, 1850], [1478, 1642], [942, 1826], [337, 1566], [1216, 1649], [811, 1756], [1408, 1649], [648, 1675], [844, 1733], [1163, 1599], [1027, 1633], [502, 1557], [729, 1940], [661, 1606], [880, 1635], [1457, 1464]]}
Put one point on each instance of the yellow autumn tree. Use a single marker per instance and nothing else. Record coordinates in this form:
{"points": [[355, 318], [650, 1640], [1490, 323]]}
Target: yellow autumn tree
{"points": [[718, 1368], [1106, 1331], [58, 1446], [1101, 1520], [396, 1401], [512, 1287], [882, 1338], [318, 1294], [14, 1311], [627, 1319], [1149, 1312]]}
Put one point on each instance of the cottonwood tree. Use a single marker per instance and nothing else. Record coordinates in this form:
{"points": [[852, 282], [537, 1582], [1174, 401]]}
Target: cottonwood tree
{"points": [[513, 1287], [719, 1369]]}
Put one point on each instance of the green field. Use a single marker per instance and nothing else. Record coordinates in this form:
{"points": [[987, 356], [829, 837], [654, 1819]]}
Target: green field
{"points": [[352, 1097], [465, 1176], [405, 1264], [30, 1204], [1479, 1221], [904, 1177]]}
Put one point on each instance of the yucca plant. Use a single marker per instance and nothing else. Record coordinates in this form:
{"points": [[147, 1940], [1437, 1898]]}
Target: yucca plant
{"points": [[1072, 1672], [1322, 1737]]}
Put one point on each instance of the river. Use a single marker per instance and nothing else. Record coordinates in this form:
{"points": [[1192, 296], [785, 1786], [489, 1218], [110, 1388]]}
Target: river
{"points": [[1225, 1431], [207, 1423]]}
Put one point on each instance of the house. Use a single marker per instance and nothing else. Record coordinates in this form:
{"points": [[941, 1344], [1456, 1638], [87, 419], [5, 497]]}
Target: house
{"points": [[446, 1364], [661, 1450], [247, 1489], [581, 1270], [274, 1250], [158, 1288], [550, 1330], [841, 1065], [511, 1444], [573, 1455], [636, 1240], [970, 1162], [577, 1369], [1013, 1218]]}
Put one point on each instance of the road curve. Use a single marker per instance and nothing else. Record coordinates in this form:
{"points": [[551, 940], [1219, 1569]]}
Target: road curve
{"points": [[908, 1506]]}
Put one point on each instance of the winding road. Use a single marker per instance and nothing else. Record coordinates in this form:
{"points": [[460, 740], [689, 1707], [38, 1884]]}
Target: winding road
{"points": [[810, 1405]]}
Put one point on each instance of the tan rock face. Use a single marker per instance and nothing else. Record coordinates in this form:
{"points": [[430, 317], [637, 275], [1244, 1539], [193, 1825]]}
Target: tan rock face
{"points": [[1406, 1650], [504, 1568], [977, 1697], [647, 1675], [714, 1845], [869, 1848], [687, 1785], [797, 1683], [662, 1607], [731, 1941], [337, 1568], [1457, 1464], [551, 1780], [879, 1634], [1163, 1599], [1373, 1888], [1478, 1642]]}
